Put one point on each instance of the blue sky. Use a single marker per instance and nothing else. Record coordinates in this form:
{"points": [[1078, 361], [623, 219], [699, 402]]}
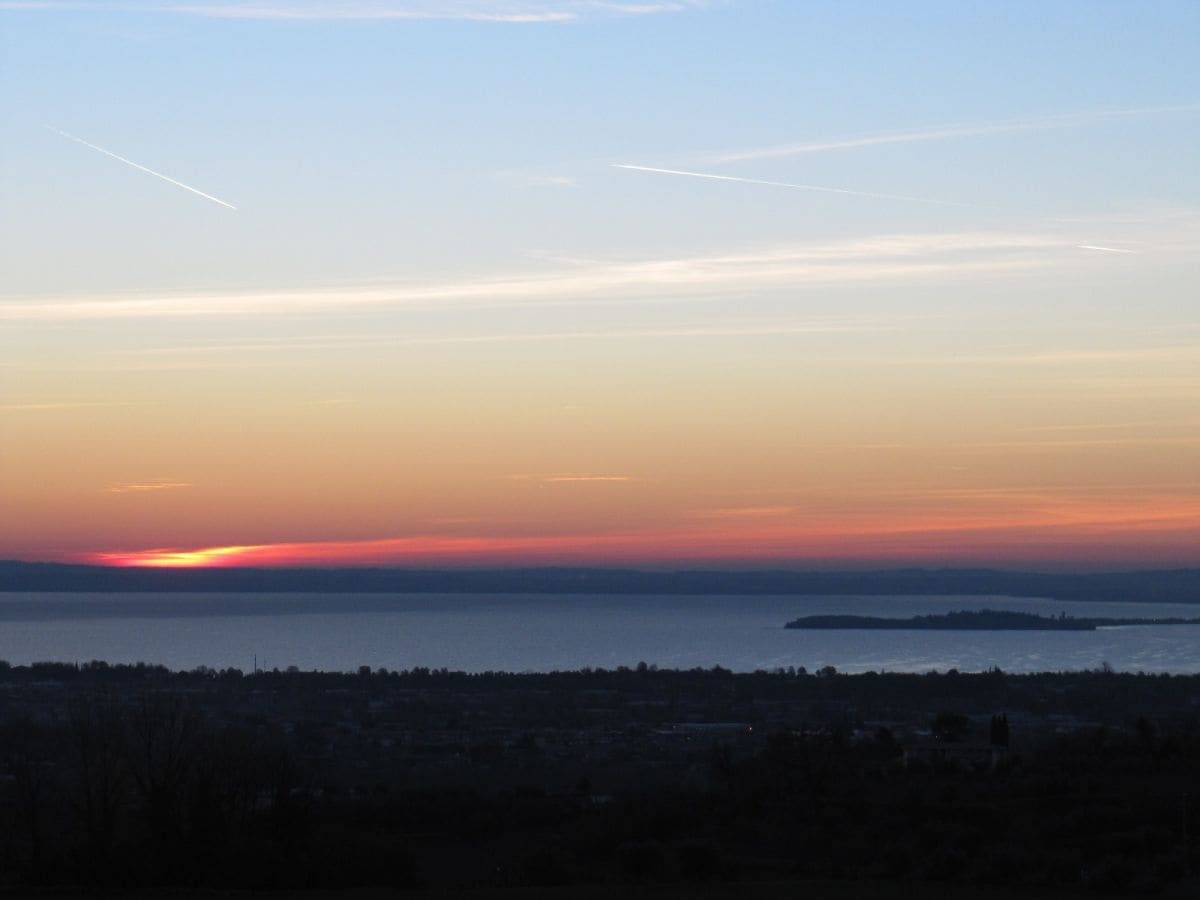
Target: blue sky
{"points": [[409, 134]]}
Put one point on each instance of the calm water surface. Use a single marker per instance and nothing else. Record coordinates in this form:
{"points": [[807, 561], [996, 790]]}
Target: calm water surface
{"points": [[513, 632]]}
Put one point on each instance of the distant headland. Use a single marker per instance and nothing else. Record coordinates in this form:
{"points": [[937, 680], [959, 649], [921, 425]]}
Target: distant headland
{"points": [[979, 620], [1161, 585]]}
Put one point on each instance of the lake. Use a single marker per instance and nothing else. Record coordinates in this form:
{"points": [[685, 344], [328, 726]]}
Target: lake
{"points": [[538, 632]]}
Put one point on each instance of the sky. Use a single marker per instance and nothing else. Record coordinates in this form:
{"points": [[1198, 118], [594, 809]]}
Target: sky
{"points": [[516, 282]]}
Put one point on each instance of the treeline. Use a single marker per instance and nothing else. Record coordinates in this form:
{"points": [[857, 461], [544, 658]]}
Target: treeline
{"points": [[822, 695], [1097, 810], [136, 776], [146, 794], [145, 791]]}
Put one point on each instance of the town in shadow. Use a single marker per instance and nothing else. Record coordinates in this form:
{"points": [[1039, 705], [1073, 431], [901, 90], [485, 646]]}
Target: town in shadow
{"points": [[134, 776]]}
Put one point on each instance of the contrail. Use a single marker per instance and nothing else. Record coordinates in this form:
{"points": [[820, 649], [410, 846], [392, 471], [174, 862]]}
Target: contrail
{"points": [[130, 162], [981, 129], [1105, 249], [797, 187]]}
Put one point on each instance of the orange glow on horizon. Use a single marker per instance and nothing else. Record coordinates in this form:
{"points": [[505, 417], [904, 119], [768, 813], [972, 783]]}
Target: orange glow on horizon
{"points": [[210, 557], [1131, 540]]}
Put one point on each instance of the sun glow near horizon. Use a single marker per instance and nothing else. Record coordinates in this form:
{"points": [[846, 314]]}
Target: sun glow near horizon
{"points": [[159, 558], [1115, 536], [609, 305]]}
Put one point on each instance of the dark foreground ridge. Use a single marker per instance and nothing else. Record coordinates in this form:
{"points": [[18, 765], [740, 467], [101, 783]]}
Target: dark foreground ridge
{"points": [[978, 620], [591, 782], [1170, 585]]}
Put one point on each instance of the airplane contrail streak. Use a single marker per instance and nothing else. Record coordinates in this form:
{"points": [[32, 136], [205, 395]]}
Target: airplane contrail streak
{"points": [[1105, 249], [794, 186], [979, 129], [130, 162]]}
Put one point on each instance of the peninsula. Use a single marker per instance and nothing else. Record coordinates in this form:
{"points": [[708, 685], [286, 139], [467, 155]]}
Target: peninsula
{"points": [[979, 620]]}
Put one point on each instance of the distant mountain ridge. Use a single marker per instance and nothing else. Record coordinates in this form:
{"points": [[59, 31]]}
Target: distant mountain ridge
{"points": [[1170, 585]]}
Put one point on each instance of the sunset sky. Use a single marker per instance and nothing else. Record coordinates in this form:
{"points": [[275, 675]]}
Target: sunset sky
{"points": [[479, 282]]}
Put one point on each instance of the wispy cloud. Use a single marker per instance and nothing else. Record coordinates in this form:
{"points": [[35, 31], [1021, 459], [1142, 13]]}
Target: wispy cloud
{"points": [[500, 11], [522, 13], [949, 132], [1147, 387], [50, 406], [143, 487], [1186, 353], [129, 162], [532, 180], [316, 343], [1102, 426], [1083, 442], [787, 184], [744, 512], [886, 258], [574, 478]]}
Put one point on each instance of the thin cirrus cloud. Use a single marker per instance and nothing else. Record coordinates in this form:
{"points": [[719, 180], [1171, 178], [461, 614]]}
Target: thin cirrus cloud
{"points": [[1160, 355], [880, 258], [317, 343], [51, 406], [1170, 499], [499, 11], [949, 132], [538, 179], [574, 478], [1100, 426], [145, 487], [792, 185], [1082, 442], [744, 512]]}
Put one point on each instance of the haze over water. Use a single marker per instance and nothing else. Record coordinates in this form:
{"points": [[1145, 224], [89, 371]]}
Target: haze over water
{"points": [[482, 632]]}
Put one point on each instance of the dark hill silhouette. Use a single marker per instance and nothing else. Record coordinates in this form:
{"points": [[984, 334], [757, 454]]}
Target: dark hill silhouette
{"points": [[1175, 585]]}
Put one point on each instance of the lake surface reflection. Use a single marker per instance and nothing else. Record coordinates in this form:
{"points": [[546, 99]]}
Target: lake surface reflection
{"points": [[516, 632]]}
